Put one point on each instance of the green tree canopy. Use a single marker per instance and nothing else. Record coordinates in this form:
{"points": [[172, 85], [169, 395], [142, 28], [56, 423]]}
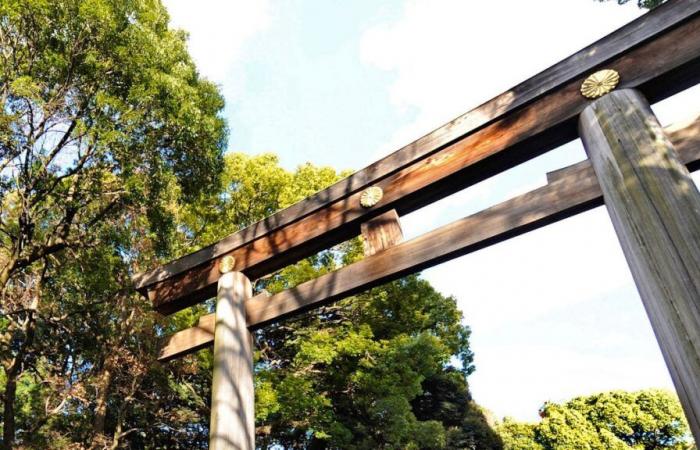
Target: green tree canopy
{"points": [[111, 161], [384, 369], [104, 122], [102, 108], [644, 420]]}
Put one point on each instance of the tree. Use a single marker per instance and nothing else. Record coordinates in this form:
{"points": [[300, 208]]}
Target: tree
{"points": [[103, 116], [90, 380], [362, 373], [650, 420], [517, 435], [446, 398], [647, 4]]}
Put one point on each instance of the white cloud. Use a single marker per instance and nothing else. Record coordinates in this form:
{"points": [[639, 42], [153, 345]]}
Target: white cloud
{"points": [[680, 109], [555, 267], [446, 57], [449, 56], [522, 377], [525, 300], [218, 30]]}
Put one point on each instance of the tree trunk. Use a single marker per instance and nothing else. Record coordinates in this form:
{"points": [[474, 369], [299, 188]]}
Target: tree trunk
{"points": [[8, 412], [6, 272], [106, 378], [103, 389]]}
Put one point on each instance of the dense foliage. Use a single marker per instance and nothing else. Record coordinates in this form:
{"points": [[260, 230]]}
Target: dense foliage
{"points": [[103, 118], [372, 371], [385, 369], [366, 373], [111, 161], [642, 420]]}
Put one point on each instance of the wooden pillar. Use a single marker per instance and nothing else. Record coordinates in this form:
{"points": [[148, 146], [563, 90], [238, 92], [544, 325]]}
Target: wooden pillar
{"points": [[232, 424], [655, 209], [381, 232]]}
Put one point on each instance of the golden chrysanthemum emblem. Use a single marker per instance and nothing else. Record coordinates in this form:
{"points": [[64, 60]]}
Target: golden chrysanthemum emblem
{"points": [[227, 264], [371, 196], [600, 83]]}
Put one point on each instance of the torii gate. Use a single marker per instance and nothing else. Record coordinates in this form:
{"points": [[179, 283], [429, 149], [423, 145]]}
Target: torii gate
{"points": [[635, 167]]}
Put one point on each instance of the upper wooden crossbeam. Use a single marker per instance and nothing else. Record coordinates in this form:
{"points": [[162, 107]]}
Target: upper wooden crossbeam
{"points": [[659, 54], [569, 191]]}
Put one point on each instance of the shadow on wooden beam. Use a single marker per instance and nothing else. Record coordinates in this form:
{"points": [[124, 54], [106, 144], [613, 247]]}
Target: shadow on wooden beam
{"points": [[658, 53], [569, 191]]}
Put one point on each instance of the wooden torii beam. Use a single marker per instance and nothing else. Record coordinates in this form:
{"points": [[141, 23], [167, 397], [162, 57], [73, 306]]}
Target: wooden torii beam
{"points": [[569, 191], [654, 56], [657, 53]]}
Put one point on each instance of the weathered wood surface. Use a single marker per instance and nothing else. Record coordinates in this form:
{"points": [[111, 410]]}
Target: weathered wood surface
{"points": [[192, 339], [655, 210], [381, 232], [232, 425], [659, 53], [570, 190], [196, 338]]}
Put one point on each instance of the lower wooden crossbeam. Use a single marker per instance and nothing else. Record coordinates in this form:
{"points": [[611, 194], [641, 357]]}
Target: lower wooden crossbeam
{"points": [[569, 191]]}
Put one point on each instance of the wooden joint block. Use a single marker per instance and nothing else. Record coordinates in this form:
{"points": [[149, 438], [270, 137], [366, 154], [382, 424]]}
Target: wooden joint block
{"points": [[381, 232]]}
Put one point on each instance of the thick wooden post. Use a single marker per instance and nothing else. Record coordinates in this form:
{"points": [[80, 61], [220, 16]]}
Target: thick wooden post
{"points": [[655, 209], [232, 405]]}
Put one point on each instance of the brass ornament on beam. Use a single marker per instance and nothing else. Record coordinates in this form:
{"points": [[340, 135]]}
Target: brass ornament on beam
{"points": [[371, 196], [227, 264], [600, 83]]}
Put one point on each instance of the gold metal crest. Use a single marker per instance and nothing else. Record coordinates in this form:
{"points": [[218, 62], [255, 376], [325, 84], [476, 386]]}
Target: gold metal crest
{"points": [[371, 196], [227, 264], [600, 83]]}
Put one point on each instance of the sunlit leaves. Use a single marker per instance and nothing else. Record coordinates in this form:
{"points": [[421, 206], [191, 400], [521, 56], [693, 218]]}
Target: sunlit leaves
{"points": [[619, 420]]}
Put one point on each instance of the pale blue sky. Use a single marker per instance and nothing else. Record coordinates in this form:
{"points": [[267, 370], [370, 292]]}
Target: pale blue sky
{"points": [[554, 313], [304, 90]]}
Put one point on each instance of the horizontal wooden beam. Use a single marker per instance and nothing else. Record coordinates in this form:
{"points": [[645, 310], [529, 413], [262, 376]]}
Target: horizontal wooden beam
{"points": [[658, 53], [189, 340], [569, 191]]}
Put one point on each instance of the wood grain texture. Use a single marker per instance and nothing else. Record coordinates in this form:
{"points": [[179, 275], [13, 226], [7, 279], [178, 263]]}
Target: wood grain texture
{"points": [[232, 425], [655, 210], [618, 42], [659, 53], [572, 190], [189, 340], [381, 232]]}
